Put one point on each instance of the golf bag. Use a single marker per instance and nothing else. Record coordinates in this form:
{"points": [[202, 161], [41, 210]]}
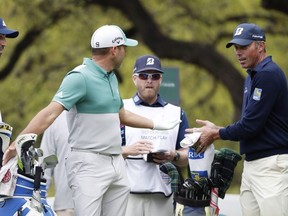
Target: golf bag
{"points": [[196, 192], [25, 193], [22, 201]]}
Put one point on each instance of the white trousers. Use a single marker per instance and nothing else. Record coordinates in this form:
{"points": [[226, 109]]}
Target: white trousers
{"points": [[264, 187], [66, 212], [99, 184], [149, 205]]}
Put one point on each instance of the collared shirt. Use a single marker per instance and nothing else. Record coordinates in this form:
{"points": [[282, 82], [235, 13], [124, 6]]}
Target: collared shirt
{"points": [[91, 95], [158, 103]]}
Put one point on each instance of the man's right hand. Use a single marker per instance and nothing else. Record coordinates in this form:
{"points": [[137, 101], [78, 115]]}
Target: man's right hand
{"points": [[9, 153], [209, 133]]}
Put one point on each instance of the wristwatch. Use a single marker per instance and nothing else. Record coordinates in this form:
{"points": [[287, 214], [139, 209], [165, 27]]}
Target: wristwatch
{"points": [[177, 156]]}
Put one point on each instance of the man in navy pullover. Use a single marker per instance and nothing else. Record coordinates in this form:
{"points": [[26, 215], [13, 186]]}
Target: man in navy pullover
{"points": [[262, 129], [5, 33]]}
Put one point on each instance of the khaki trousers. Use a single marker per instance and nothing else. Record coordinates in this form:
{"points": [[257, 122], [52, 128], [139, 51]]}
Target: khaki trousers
{"points": [[264, 187]]}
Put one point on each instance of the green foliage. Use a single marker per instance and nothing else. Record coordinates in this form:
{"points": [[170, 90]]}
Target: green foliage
{"points": [[62, 46]]}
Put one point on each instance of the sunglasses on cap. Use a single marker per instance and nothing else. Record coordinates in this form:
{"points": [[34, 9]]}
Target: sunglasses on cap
{"points": [[146, 76]]}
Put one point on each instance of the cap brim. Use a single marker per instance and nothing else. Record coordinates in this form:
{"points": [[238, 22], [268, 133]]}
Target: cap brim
{"points": [[148, 68], [240, 42], [9, 33], [130, 42]]}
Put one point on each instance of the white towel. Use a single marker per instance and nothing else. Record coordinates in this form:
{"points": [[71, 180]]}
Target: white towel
{"points": [[8, 177], [190, 139]]}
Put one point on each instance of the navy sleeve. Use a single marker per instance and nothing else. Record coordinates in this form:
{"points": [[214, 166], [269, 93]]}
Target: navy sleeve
{"points": [[183, 125]]}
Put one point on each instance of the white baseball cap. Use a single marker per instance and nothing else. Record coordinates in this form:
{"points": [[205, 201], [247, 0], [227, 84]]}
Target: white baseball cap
{"points": [[110, 36]]}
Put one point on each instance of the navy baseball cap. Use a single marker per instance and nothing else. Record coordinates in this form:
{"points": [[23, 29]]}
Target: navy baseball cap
{"points": [[246, 33], [8, 32], [147, 62]]}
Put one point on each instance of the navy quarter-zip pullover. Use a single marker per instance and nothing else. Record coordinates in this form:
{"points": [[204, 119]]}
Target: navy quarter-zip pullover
{"points": [[263, 127]]}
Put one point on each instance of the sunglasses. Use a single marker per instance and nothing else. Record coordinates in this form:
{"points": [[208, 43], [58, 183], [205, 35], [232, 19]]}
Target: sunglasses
{"points": [[146, 76]]}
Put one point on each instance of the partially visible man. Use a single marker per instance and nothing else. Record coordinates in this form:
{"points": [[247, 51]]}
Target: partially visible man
{"points": [[95, 166], [151, 188], [55, 142], [262, 129], [5, 33]]}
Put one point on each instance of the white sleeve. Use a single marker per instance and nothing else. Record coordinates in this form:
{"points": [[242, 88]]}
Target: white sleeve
{"points": [[48, 146]]}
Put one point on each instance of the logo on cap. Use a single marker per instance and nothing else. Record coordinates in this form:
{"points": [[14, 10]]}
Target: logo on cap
{"points": [[238, 31], [257, 36], [150, 61], [117, 40]]}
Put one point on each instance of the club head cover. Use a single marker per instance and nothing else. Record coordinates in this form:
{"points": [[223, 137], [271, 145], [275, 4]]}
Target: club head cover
{"points": [[24, 143], [5, 136]]}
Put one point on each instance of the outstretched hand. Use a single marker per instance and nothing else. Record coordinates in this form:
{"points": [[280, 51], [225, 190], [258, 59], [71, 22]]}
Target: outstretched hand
{"points": [[204, 123], [165, 125], [209, 133]]}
